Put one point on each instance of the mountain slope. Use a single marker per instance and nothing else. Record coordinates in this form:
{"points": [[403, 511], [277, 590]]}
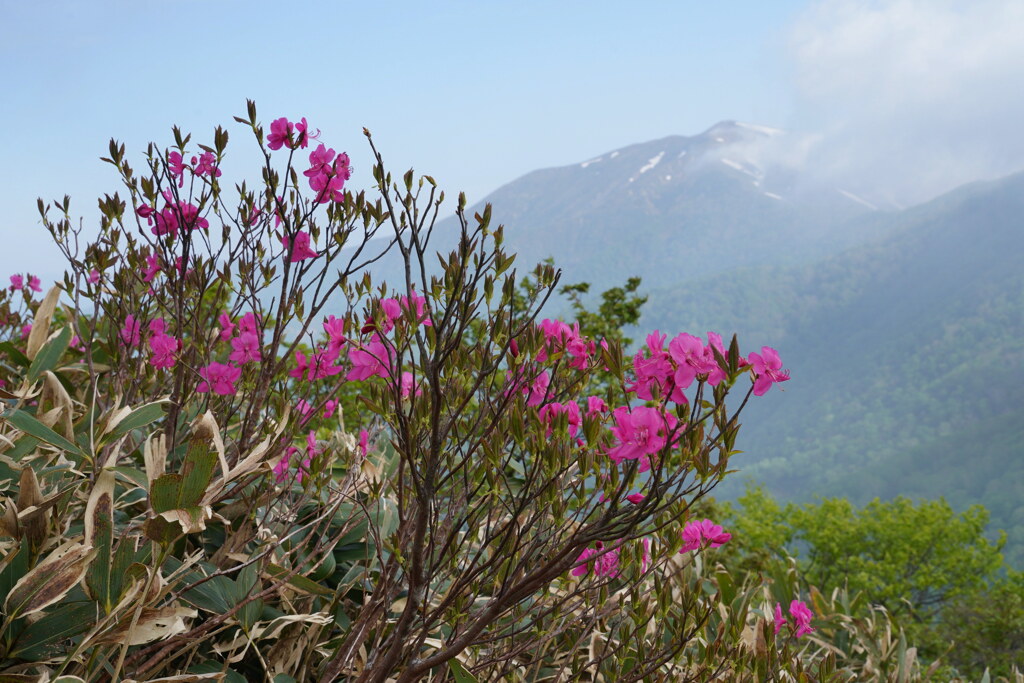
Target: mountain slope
{"points": [[907, 357]]}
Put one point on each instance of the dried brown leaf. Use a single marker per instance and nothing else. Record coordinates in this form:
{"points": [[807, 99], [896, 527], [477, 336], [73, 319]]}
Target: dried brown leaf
{"points": [[50, 580]]}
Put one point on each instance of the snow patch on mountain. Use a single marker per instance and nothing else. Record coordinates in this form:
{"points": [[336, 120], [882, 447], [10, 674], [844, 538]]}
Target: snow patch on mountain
{"points": [[591, 161], [859, 200], [652, 162]]}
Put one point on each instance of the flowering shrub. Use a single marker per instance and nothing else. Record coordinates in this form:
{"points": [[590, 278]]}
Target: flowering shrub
{"points": [[285, 470]]}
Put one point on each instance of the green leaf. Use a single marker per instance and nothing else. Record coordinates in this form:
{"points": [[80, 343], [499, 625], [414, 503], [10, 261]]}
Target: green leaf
{"points": [[196, 473], [47, 637], [50, 580], [460, 673], [164, 493], [140, 417], [15, 354], [49, 355], [30, 425]]}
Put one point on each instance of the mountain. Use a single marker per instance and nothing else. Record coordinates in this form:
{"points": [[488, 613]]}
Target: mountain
{"points": [[679, 208]]}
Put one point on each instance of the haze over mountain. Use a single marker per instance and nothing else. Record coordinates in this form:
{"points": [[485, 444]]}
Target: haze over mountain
{"points": [[904, 329]]}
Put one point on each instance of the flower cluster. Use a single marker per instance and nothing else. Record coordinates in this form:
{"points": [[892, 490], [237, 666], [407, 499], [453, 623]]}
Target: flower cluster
{"points": [[705, 533], [801, 614], [18, 282], [177, 215]]}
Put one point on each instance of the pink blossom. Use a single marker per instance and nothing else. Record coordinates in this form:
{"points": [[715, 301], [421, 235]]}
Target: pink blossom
{"points": [[417, 303], [329, 407], [635, 498], [768, 370], [207, 165], [571, 410], [802, 616], [642, 432], [303, 135], [369, 361], [280, 134], [163, 346], [605, 561], [780, 620], [219, 378], [94, 276], [364, 441], [645, 554], [17, 282], [246, 348], [409, 385], [692, 359], [392, 311], [131, 334], [304, 410], [227, 328], [654, 373], [176, 165], [281, 468], [299, 248], [157, 326], [596, 405], [33, 284], [248, 323], [26, 330], [538, 390], [321, 364], [152, 268], [695, 534], [335, 329], [301, 365]]}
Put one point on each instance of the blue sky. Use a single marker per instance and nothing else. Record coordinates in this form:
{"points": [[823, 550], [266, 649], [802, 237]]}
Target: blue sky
{"points": [[478, 93]]}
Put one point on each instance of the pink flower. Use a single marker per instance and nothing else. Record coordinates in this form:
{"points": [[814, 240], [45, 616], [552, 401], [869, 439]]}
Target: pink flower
{"points": [[227, 328], [248, 323], [246, 348], [642, 432], [571, 411], [280, 134], [152, 268], [645, 554], [419, 304], [219, 378], [26, 330], [538, 391], [207, 165], [281, 468], [131, 334], [768, 370], [780, 620], [329, 407], [33, 284], [321, 364], [327, 173], [176, 165], [695, 534], [303, 135], [304, 410], [364, 441], [94, 276], [654, 372], [17, 282], [301, 365], [369, 361], [157, 326], [335, 329], [605, 562], [299, 248], [163, 346], [596, 405], [409, 385], [635, 498], [691, 359], [802, 616]]}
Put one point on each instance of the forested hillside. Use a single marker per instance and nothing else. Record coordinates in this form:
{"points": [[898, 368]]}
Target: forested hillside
{"points": [[908, 358]]}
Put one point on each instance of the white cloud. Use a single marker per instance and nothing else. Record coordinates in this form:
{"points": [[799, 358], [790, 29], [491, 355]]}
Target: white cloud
{"points": [[915, 95]]}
